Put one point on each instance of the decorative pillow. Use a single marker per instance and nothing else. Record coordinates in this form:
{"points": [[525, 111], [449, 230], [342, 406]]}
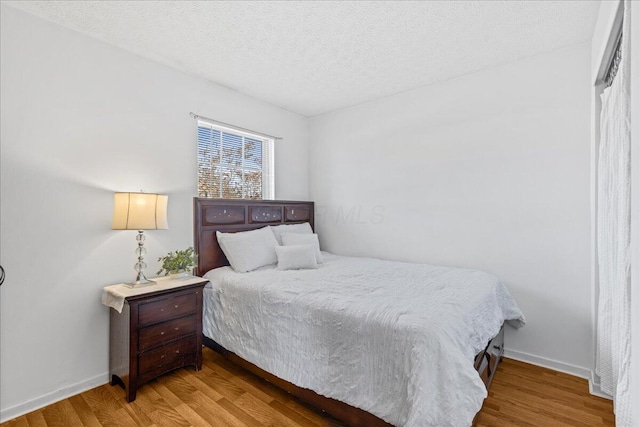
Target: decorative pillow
{"points": [[304, 228], [248, 250], [289, 239], [296, 257]]}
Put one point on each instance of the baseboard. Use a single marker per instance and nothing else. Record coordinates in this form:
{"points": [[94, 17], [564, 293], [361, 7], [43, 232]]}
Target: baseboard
{"points": [[12, 412], [594, 387], [578, 371]]}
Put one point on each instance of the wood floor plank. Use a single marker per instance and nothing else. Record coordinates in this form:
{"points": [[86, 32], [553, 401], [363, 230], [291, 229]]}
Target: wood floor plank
{"points": [[248, 387], [101, 399], [61, 414], [212, 412], [525, 394], [267, 415], [302, 418], [84, 412], [550, 406], [494, 418], [267, 387], [223, 386], [18, 422], [118, 393], [179, 386], [108, 409], [224, 367], [138, 410], [282, 400], [202, 384], [531, 387], [239, 413], [150, 394], [120, 417], [151, 408], [224, 395], [165, 416], [166, 394], [36, 419], [192, 416]]}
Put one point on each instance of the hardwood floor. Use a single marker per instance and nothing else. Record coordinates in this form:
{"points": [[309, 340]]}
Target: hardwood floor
{"points": [[527, 395], [222, 394]]}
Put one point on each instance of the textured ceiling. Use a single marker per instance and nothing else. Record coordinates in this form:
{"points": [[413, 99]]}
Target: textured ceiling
{"points": [[313, 57]]}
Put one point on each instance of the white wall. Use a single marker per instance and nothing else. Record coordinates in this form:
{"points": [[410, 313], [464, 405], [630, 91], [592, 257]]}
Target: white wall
{"points": [[487, 171], [81, 119]]}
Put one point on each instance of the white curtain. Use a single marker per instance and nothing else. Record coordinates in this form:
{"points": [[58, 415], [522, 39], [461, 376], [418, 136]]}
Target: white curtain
{"points": [[613, 353]]}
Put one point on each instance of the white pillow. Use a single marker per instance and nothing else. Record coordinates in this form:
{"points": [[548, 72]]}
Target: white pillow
{"points": [[289, 239], [296, 257], [248, 250], [304, 228]]}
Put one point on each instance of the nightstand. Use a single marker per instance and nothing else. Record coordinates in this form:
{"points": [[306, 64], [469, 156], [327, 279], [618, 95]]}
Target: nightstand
{"points": [[157, 330]]}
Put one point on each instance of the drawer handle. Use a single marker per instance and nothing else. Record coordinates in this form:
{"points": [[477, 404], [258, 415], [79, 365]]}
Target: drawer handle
{"points": [[162, 333], [177, 351], [175, 306], [177, 328], [162, 357], [496, 347]]}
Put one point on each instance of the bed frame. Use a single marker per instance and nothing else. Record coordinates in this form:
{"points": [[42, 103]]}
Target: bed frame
{"points": [[211, 215]]}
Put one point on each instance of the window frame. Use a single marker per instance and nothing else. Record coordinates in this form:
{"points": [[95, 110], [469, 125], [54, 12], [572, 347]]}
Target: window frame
{"points": [[266, 157]]}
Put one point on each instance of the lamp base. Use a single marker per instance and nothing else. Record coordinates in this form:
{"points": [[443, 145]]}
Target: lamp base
{"points": [[137, 284], [140, 265], [140, 280]]}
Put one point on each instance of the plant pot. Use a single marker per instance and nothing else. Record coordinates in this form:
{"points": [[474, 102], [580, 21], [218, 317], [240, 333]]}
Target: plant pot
{"points": [[178, 274]]}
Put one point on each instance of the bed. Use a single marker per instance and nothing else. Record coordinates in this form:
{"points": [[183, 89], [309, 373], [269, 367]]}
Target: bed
{"points": [[352, 338]]}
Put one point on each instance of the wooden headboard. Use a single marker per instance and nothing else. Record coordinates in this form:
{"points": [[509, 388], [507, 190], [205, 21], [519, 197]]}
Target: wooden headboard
{"points": [[228, 216]]}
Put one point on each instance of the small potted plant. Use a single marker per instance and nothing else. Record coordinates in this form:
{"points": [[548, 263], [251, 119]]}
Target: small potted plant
{"points": [[178, 263]]}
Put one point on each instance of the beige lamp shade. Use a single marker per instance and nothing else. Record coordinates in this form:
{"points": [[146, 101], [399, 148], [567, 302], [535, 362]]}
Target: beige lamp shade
{"points": [[140, 211]]}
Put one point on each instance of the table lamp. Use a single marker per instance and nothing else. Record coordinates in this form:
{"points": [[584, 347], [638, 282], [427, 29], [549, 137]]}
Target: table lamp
{"points": [[140, 211]]}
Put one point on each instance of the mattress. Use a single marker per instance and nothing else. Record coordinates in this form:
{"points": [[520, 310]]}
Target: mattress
{"points": [[394, 339]]}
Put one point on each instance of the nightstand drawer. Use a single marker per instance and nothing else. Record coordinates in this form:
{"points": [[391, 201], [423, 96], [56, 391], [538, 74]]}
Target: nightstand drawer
{"points": [[168, 357], [156, 335], [168, 308]]}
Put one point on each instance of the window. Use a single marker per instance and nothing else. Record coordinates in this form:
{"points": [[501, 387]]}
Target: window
{"points": [[234, 164]]}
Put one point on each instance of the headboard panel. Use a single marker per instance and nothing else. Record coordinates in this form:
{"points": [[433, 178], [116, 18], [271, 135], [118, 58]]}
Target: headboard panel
{"points": [[232, 215]]}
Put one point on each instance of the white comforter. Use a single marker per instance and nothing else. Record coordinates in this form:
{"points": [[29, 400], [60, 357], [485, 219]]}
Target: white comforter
{"points": [[394, 339]]}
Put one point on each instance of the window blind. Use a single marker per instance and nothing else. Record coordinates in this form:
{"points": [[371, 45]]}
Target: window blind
{"points": [[234, 164]]}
